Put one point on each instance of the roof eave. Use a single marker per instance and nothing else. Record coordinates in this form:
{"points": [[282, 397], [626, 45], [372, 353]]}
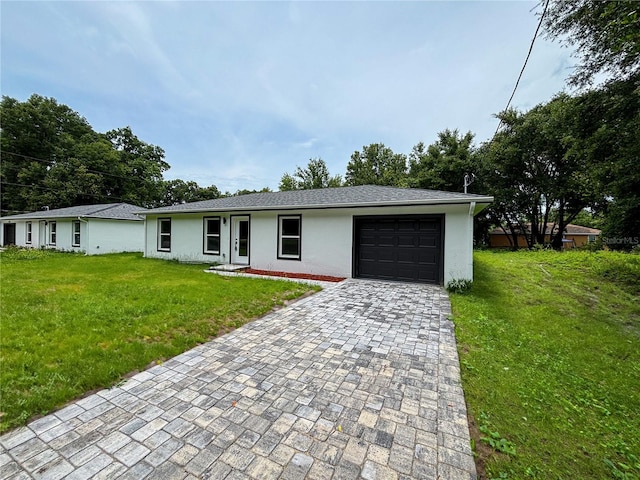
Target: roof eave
{"points": [[440, 201]]}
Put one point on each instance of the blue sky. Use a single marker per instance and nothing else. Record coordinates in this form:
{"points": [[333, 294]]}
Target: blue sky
{"points": [[238, 93]]}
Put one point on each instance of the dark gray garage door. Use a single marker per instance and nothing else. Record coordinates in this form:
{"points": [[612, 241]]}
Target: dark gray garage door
{"points": [[406, 248]]}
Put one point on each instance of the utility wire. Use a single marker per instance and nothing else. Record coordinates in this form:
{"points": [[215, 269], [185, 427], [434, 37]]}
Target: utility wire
{"points": [[533, 41], [57, 190], [53, 162]]}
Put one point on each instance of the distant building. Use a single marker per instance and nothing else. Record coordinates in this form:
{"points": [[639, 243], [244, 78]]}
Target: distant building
{"points": [[573, 236], [92, 229]]}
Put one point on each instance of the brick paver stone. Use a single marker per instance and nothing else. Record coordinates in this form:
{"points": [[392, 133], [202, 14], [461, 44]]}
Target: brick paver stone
{"points": [[361, 380]]}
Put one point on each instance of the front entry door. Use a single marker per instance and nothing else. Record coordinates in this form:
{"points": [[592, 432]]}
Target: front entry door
{"points": [[240, 240], [9, 234]]}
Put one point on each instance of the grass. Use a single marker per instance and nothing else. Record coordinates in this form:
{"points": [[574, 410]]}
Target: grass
{"points": [[550, 354], [70, 323]]}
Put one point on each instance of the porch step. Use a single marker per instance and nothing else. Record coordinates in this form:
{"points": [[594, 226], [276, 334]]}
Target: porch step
{"points": [[229, 267]]}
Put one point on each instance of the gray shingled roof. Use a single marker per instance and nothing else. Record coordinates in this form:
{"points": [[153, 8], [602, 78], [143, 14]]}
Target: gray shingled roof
{"points": [[115, 211], [364, 195]]}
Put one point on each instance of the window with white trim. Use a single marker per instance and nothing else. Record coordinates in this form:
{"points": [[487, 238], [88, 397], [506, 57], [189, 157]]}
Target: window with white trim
{"points": [[75, 232], [211, 239], [289, 236], [52, 233], [28, 233], [164, 234]]}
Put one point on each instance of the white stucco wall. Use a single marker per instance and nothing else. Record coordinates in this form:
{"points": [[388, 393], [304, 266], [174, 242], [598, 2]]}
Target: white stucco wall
{"points": [[110, 236], [327, 239], [96, 235]]}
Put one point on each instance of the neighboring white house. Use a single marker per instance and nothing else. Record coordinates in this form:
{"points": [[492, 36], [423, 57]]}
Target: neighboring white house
{"points": [[92, 229], [363, 232]]}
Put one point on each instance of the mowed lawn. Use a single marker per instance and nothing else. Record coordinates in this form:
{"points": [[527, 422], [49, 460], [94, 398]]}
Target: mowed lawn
{"points": [[71, 323], [550, 355]]}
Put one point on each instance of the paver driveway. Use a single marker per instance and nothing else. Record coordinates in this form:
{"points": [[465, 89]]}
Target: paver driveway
{"points": [[358, 381]]}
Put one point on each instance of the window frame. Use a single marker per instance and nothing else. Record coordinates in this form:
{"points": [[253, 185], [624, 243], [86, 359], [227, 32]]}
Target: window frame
{"points": [[74, 233], [28, 233], [281, 237], [53, 233], [160, 221], [206, 235]]}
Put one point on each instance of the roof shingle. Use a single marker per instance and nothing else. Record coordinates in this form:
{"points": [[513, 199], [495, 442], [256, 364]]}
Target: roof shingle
{"points": [[114, 211], [326, 197]]}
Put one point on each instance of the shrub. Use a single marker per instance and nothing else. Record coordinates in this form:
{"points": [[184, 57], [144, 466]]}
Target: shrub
{"points": [[459, 285]]}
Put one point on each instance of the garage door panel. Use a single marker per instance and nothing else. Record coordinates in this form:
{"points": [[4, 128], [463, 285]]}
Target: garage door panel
{"points": [[428, 241], [399, 248]]}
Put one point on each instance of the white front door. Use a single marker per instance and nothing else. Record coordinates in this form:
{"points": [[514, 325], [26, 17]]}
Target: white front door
{"points": [[240, 240]]}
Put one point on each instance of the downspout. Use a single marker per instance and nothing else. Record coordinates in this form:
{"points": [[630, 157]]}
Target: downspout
{"points": [[86, 252], [472, 212], [144, 251]]}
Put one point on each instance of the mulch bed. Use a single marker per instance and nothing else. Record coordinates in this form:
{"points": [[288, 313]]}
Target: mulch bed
{"points": [[306, 276]]}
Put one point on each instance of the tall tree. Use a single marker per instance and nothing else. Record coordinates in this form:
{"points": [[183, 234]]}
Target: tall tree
{"points": [[536, 174], [608, 120], [376, 164], [178, 191], [35, 136], [140, 167], [443, 164], [52, 157], [606, 35], [315, 175]]}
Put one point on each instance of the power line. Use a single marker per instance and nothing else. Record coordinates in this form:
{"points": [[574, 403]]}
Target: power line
{"points": [[533, 41], [57, 190], [53, 162]]}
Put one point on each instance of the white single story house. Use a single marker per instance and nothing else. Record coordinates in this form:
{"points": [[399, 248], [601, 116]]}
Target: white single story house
{"points": [[362, 232], [92, 229]]}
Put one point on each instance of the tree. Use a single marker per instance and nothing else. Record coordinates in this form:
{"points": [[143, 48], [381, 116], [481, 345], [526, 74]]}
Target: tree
{"points": [[245, 191], [536, 175], [35, 136], [140, 168], [178, 191], [52, 157], [443, 164], [608, 120], [377, 165], [315, 175], [606, 35]]}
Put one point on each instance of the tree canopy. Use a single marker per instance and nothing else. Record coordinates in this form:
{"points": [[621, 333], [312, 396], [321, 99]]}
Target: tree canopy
{"points": [[443, 164], [377, 164], [606, 35], [315, 175], [51, 156]]}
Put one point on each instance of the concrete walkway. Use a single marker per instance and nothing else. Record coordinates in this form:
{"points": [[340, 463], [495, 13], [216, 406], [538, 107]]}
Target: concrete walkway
{"points": [[358, 381]]}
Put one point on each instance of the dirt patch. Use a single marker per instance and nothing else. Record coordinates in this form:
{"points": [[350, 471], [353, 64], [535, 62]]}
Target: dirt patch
{"points": [[482, 452], [305, 276]]}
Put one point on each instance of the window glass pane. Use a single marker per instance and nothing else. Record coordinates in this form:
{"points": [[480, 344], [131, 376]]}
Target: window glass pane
{"points": [[291, 246], [53, 227], [213, 244], [165, 226], [165, 241], [242, 248], [76, 227], [213, 226], [290, 226]]}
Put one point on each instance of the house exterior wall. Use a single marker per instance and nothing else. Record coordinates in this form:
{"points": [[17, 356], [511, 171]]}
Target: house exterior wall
{"points": [[96, 235], [111, 236], [326, 238]]}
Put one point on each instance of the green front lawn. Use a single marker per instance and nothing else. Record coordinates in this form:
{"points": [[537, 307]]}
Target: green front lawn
{"points": [[71, 323], [550, 355]]}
